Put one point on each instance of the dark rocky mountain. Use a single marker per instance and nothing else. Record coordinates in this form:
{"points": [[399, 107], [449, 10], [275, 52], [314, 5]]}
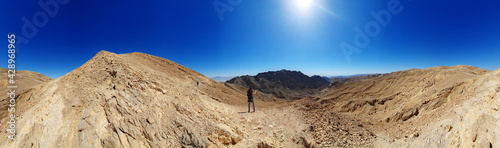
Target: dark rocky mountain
{"points": [[284, 84]]}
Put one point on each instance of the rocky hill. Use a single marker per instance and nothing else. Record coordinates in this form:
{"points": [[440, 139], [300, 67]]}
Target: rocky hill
{"points": [[24, 80], [139, 100], [436, 107], [130, 100], [283, 84]]}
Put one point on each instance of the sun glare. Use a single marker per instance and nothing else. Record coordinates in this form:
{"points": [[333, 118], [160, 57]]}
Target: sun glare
{"points": [[303, 5]]}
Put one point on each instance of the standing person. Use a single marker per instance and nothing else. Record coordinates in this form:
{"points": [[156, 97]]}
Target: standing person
{"points": [[250, 94]]}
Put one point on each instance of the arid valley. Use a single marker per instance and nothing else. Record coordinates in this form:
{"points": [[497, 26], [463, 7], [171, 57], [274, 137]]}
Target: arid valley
{"points": [[140, 100]]}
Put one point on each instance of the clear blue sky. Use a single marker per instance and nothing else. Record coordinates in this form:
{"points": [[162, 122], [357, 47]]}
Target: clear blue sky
{"points": [[258, 35]]}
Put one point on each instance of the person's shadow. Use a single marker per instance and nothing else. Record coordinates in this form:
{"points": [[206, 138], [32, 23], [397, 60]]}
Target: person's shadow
{"points": [[242, 112]]}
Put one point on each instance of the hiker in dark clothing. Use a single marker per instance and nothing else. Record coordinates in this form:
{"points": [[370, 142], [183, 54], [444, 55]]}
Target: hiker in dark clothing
{"points": [[250, 94]]}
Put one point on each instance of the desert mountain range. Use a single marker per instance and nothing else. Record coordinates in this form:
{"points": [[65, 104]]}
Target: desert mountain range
{"points": [[283, 84], [140, 100]]}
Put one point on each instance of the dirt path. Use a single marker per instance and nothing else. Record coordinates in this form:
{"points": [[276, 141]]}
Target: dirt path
{"points": [[277, 126], [273, 124], [292, 124]]}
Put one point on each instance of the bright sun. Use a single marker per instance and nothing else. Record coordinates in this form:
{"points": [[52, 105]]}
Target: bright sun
{"points": [[303, 5]]}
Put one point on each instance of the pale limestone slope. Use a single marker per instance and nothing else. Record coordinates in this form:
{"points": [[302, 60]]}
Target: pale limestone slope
{"points": [[129, 100], [139, 100], [436, 107], [24, 80]]}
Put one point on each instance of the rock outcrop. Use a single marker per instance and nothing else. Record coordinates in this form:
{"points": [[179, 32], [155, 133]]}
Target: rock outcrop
{"points": [[139, 100], [436, 107], [284, 84], [24, 80], [129, 100]]}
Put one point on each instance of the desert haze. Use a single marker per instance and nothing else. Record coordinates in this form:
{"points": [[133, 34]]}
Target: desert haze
{"points": [[140, 100]]}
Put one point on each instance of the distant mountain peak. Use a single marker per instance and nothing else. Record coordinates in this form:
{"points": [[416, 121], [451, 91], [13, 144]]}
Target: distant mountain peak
{"points": [[283, 83]]}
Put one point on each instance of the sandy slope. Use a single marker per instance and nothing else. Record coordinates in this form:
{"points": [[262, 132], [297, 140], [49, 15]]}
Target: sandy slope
{"points": [[24, 80], [435, 107], [139, 100], [474, 121]]}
